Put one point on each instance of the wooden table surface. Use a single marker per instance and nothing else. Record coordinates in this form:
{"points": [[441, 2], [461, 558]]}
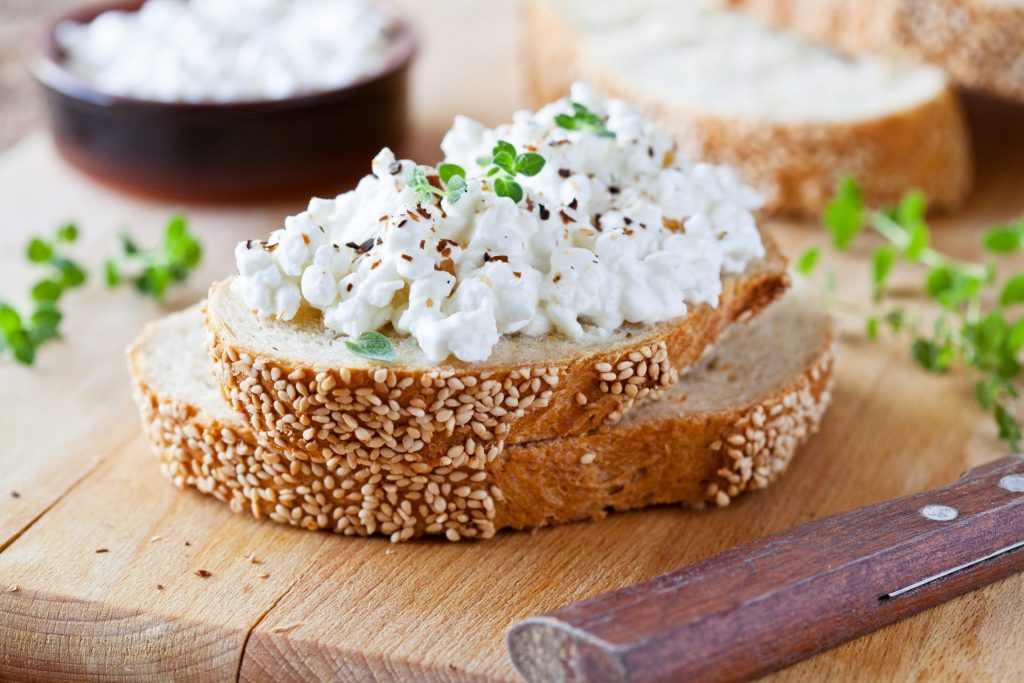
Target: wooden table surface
{"points": [[77, 476]]}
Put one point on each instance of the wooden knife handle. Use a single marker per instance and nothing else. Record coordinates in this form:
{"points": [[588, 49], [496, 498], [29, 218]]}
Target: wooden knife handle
{"points": [[766, 604]]}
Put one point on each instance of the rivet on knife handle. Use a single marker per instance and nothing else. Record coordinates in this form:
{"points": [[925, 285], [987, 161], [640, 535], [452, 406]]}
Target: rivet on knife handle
{"points": [[766, 604]]}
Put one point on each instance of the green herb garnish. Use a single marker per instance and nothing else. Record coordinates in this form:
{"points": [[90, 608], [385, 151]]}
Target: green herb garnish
{"points": [[154, 271], [452, 176], [22, 335], [975, 324], [583, 119], [505, 164], [372, 345]]}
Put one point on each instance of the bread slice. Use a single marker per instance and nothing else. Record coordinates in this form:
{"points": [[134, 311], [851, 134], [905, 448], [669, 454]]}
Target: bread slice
{"points": [[791, 117], [303, 390], [730, 425], [980, 43]]}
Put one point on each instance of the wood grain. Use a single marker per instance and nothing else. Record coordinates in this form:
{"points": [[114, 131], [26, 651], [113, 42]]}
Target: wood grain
{"points": [[350, 608], [765, 604]]}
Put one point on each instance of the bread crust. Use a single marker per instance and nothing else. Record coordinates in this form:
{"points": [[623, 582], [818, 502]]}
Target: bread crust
{"points": [[794, 165], [463, 414], [980, 44], [679, 456]]}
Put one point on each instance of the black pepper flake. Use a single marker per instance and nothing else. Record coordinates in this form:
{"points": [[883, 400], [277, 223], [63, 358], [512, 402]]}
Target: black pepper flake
{"points": [[361, 248], [564, 172], [650, 152], [573, 204], [500, 257], [248, 244], [612, 189], [15, 494], [395, 167], [203, 574], [402, 222], [566, 218], [407, 257], [423, 244], [556, 278], [159, 587], [627, 220], [100, 551], [544, 213], [188, 544], [349, 287]]}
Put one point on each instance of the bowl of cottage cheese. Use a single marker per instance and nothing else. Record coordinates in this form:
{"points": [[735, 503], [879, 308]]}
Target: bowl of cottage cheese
{"points": [[226, 99]]}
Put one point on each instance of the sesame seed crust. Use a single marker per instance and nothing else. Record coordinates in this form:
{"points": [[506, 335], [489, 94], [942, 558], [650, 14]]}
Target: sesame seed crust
{"points": [[795, 165], [398, 501], [664, 453], [462, 416]]}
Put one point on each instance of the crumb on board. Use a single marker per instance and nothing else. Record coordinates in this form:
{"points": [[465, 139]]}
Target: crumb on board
{"points": [[252, 559], [13, 589], [154, 539], [100, 551], [203, 574], [265, 575], [159, 587], [285, 629]]}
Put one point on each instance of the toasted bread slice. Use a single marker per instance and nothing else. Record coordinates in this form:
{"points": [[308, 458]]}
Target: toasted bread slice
{"points": [[301, 388], [791, 117], [979, 43], [730, 425]]}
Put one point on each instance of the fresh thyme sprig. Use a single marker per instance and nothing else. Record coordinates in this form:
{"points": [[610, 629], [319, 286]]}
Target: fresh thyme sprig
{"points": [[505, 163], [23, 335], [373, 346], [153, 271], [583, 119], [974, 325], [452, 176]]}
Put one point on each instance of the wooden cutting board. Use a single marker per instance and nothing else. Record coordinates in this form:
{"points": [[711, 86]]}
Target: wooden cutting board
{"points": [[99, 556]]}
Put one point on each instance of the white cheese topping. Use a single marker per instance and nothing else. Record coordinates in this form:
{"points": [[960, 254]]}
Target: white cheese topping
{"points": [[613, 229], [228, 50]]}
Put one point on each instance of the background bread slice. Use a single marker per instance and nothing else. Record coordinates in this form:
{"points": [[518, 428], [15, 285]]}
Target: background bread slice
{"points": [[980, 43], [790, 116], [301, 389], [730, 425]]}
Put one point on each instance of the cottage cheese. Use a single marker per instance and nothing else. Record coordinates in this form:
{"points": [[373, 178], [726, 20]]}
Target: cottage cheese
{"points": [[613, 230], [228, 50]]}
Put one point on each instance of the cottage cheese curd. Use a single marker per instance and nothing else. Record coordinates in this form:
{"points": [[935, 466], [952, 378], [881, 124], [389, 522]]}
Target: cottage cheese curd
{"points": [[228, 50], [611, 230]]}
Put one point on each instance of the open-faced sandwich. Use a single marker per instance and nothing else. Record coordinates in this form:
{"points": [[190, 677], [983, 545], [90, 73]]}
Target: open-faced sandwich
{"points": [[496, 341]]}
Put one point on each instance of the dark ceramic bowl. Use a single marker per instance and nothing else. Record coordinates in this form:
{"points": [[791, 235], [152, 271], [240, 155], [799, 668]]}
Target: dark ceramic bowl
{"points": [[314, 143]]}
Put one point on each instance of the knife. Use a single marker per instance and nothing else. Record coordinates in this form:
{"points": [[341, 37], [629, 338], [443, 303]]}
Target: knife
{"points": [[769, 603]]}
